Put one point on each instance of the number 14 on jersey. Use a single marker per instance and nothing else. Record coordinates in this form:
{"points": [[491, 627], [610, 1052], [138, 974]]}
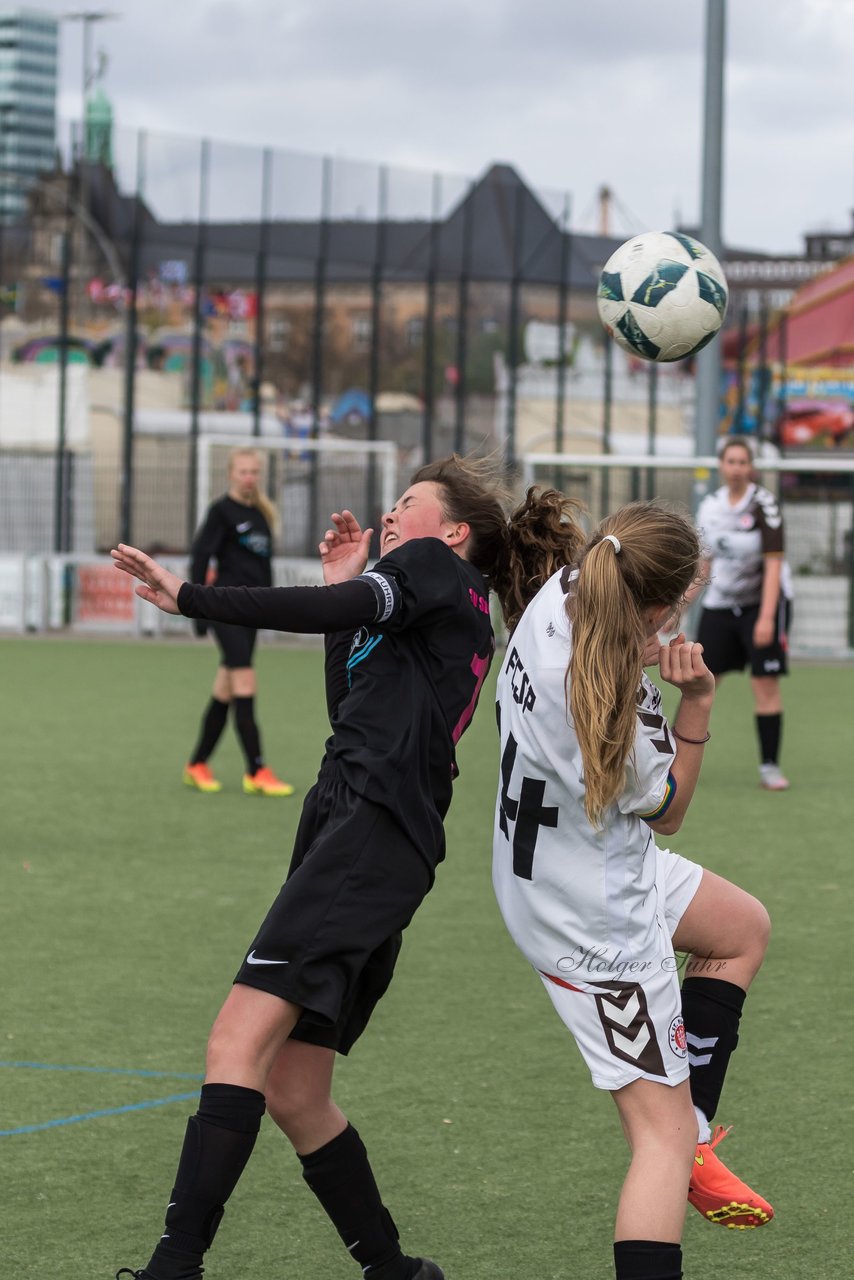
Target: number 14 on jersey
{"points": [[526, 814]]}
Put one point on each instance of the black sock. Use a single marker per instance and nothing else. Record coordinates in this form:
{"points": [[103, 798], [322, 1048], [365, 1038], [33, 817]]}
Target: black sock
{"points": [[213, 723], [340, 1176], [711, 1009], [770, 730], [217, 1144], [647, 1260], [247, 731]]}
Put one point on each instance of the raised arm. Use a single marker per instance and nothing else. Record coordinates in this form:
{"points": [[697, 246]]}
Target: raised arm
{"points": [[344, 549], [343, 555], [309, 610], [159, 586], [681, 664]]}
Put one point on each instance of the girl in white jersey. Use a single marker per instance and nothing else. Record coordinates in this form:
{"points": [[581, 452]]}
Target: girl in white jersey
{"points": [[590, 769], [746, 607]]}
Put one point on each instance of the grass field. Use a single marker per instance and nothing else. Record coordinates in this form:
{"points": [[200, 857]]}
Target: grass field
{"points": [[127, 902]]}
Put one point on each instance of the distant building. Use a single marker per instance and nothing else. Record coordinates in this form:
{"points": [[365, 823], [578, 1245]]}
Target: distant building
{"points": [[830, 245], [763, 282], [28, 76]]}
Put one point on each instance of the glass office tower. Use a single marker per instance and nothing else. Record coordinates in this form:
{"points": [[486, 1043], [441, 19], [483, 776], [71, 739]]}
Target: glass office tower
{"points": [[29, 43]]}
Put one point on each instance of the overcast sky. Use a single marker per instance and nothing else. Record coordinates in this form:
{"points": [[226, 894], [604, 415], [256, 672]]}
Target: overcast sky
{"points": [[574, 93]]}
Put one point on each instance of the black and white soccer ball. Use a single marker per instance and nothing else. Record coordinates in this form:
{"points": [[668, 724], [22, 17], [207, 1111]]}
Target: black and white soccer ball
{"points": [[662, 296]]}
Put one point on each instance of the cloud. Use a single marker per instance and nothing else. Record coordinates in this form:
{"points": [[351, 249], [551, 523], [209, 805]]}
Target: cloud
{"points": [[574, 94]]}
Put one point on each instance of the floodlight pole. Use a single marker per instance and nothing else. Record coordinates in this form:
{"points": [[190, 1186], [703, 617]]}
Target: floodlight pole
{"points": [[708, 390]]}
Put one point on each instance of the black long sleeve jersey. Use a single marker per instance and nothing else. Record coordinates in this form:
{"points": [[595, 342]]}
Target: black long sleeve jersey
{"points": [[239, 537], [403, 682]]}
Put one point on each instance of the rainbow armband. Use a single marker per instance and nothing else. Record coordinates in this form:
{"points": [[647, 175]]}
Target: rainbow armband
{"points": [[669, 793]]}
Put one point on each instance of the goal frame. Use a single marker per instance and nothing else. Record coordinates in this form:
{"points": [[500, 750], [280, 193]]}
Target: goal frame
{"points": [[384, 451], [701, 465]]}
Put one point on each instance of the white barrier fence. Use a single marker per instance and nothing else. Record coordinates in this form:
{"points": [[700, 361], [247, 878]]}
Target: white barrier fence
{"points": [[87, 595]]}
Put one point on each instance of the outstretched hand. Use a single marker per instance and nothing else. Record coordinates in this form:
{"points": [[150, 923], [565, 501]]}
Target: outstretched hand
{"points": [[344, 549], [159, 586], [681, 664]]}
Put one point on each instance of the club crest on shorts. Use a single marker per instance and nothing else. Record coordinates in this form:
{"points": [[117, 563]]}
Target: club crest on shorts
{"points": [[676, 1037]]}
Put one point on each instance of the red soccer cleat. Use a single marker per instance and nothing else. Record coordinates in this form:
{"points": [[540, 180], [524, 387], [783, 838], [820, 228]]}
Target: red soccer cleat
{"points": [[200, 777], [719, 1195], [265, 783]]}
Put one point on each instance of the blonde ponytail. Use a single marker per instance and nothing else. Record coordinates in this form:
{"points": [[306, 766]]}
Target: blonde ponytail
{"points": [[645, 556], [268, 510], [605, 670]]}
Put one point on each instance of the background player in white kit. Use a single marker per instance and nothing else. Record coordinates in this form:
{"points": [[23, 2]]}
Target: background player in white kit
{"points": [[589, 770], [747, 605]]}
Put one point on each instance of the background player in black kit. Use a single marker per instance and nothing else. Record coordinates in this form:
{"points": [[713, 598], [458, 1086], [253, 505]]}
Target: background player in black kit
{"points": [[237, 532], [408, 647]]}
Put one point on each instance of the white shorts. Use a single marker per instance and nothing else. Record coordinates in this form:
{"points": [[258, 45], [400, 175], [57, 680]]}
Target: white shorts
{"points": [[627, 1019]]}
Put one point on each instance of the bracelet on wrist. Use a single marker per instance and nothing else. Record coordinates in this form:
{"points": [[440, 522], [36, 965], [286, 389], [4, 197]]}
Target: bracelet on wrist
{"points": [[694, 742]]}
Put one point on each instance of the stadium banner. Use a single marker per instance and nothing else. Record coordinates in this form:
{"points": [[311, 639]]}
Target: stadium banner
{"points": [[103, 597]]}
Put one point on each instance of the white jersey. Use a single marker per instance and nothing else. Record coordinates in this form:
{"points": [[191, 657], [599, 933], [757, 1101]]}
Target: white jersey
{"points": [[736, 538], [572, 895]]}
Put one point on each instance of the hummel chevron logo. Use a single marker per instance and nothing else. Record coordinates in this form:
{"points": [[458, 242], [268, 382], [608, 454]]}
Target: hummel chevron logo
{"points": [[632, 1046], [253, 959], [624, 1015], [628, 1028]]}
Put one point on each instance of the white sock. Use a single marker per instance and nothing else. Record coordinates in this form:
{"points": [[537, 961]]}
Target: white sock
{"points": [[704, 1132]]}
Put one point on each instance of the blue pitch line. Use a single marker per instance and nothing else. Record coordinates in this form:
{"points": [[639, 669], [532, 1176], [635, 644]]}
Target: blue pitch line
{"points": [[96, 1115], [112, 1111], [108, 1071]]}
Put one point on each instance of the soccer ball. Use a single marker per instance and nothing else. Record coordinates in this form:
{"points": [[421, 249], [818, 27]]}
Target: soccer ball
{"points": [[662, 296]]}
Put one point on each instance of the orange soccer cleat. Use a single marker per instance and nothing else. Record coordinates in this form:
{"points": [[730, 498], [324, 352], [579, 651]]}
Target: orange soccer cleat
{"points": [[265, 783], [200, 777], [719, 1195]]}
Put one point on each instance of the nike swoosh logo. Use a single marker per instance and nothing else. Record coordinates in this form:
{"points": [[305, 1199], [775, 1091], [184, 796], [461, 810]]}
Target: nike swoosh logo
{"points": [[253, 959]]}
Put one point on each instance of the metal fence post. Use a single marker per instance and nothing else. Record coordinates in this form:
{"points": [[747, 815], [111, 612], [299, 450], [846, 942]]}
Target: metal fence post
{"points": [[198, 333], [261, 286], [126, 479]]}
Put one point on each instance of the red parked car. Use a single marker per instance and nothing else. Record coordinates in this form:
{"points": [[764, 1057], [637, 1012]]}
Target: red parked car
{"points": [[822, 423]]}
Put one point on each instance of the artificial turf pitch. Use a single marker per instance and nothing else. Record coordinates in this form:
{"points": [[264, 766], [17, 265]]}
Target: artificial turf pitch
{"points": [[127, 902]]}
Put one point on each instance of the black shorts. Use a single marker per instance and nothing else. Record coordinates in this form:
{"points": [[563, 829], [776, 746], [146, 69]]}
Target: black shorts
{"points": [[331, 939], [237, 644], [727, 639]]}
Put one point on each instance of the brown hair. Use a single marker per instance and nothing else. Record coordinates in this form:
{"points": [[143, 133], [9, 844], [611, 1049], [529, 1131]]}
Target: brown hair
{"points": [[475, 493], [518, 554], [261, 502], [741, 442], [656, 562], [544, 535]]}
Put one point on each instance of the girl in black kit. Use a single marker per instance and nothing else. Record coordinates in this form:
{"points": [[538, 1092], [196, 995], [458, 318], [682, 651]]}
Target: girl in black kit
{"points": [[238, 533], [408, 647]]}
